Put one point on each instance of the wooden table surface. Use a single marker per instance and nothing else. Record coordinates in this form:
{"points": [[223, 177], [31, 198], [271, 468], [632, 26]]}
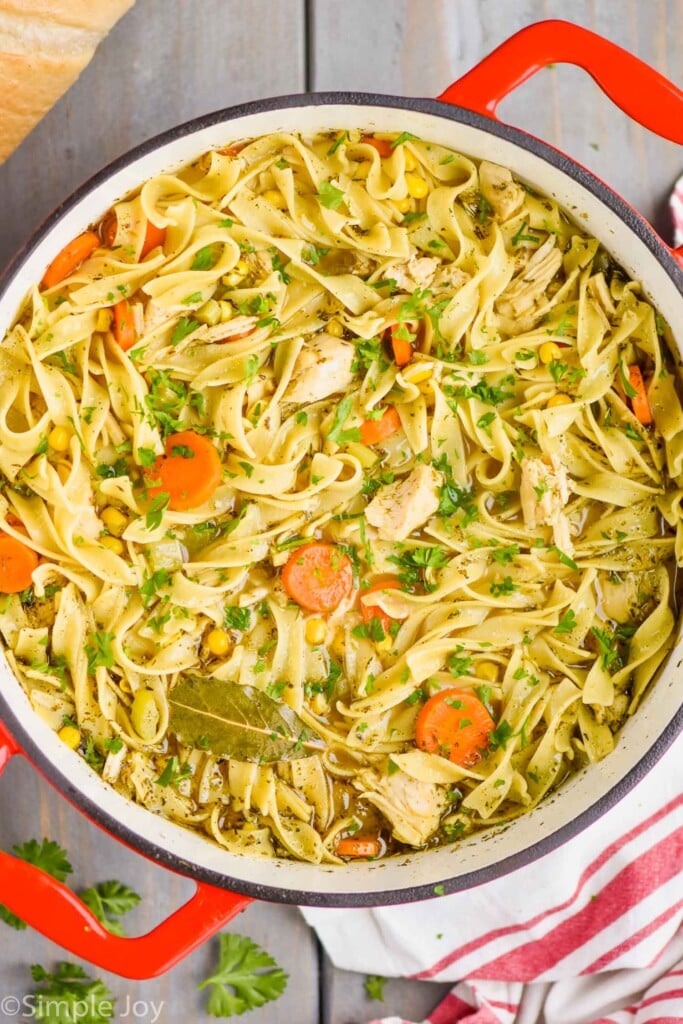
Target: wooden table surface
{"points": [[167, 62]]}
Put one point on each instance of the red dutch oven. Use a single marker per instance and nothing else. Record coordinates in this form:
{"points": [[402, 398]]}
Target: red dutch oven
{"points": [[463, 117]]}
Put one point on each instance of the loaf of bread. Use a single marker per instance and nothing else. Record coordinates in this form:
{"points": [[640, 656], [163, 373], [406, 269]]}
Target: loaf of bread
{"points": [[44, 46]]}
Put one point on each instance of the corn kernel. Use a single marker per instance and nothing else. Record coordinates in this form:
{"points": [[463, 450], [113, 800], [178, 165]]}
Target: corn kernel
{"points": [[487, 670], [363, 169], [319, 704], [227, 310], [218, 642], [549, 351], [70, 735], [103, 322], [113, 544], [63, 472], [209, 313], [59, 438], [338, 646], [403, 205], [144, 714], [558, 399], [276, 198], [114, 520], [417, 186], [242, 267], [335, 329], [316, 631], [411, 162], [418, 373]]}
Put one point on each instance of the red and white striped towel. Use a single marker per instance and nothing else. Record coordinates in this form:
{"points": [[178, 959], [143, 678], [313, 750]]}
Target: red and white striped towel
{"points": [[588, 934], [676, 207]]}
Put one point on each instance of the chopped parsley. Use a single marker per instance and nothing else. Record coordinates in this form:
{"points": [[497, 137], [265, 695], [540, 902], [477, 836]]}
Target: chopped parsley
{"points": [[329, 195]]}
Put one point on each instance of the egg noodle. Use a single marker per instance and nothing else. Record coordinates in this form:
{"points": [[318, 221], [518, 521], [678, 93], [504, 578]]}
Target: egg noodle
{"points": [[412, 360]]}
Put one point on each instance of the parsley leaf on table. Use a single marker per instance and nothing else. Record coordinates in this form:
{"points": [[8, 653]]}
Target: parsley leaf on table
{"points": [[108, 901], [48, 856], [239, 982], [69, 995], [374, 987]]}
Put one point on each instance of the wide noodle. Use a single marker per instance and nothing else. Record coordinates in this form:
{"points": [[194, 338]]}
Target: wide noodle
{"points": [[527, 520]]}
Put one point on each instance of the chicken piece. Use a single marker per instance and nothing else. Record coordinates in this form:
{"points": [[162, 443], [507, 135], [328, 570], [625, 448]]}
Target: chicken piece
{"points": [[417, 272], [499, 188], [154, 316], [413, 808], [322, 368], [527, 287], [448, 278], [543, 492], [398, 509]]}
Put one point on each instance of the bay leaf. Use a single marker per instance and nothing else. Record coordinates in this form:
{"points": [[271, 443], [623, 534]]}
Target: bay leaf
{"points": [[236, 721]]}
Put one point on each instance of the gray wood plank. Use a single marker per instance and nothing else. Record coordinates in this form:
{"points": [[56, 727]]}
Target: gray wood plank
{"points": [[417, 48], [30, 808], [346, 1001], [162, 64]]}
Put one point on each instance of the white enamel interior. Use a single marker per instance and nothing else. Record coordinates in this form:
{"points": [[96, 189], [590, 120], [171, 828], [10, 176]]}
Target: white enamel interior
{"points": [[390, 877]]}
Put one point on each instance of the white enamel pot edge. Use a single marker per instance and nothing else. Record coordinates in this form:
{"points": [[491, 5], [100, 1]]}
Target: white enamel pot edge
{"points": [[585, 797]]}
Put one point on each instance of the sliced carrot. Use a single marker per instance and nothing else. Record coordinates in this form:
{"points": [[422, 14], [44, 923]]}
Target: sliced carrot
{"points": [[236, 337], [455, 724], [639, 402], [383, 146], [402, 349], [232, 150], [17, 562], [373, 431], [318, 576], [154, 236], [108, 229], [362, 846], [124, 325], [71, 257], [373, 611], [189, 472]]}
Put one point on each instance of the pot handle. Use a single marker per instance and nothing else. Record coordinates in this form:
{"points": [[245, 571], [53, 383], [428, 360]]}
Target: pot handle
{"points": [[635, 87], [56, 912]]}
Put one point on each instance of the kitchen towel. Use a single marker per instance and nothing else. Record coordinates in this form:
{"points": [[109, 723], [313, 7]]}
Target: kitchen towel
{"points": [[580, 933], [592, 933]]}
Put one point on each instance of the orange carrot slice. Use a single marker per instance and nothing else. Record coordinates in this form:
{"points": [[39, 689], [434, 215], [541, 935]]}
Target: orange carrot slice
{"points": [[189, 472], [360, 846], [639, 403], [455, 724], [383, 146], [124, 325], [318, 576], [373, 431], [154, 236], [402, 349], [17, 562], [373, 611], [71, 257]]}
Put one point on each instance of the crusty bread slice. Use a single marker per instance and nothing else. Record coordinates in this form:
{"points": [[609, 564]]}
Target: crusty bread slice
{"points": [[44, 46]]}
